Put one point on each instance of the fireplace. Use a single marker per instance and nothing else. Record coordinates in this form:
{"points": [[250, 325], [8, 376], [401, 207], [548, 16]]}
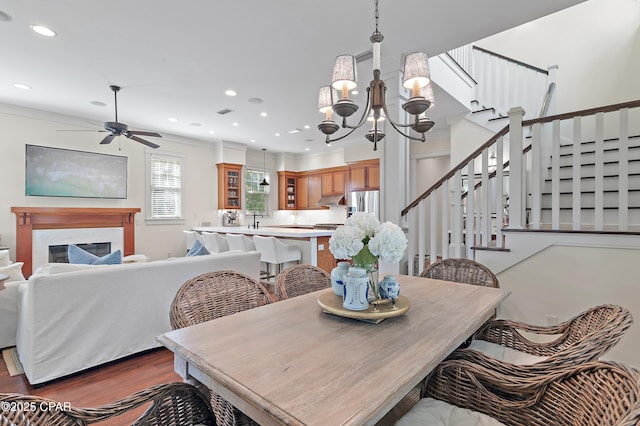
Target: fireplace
{"points": [[59, 253], [39, 227]]}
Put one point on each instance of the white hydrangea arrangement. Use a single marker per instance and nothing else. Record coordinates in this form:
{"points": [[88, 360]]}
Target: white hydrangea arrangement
{"points": [[364, 239]]}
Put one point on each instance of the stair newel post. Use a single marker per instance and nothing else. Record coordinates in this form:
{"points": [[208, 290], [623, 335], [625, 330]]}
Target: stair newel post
{"points": [[516, 176]]}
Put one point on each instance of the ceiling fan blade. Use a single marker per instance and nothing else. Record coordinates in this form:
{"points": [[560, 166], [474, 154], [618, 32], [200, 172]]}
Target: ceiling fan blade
{"points": [[79, 130], [138, 132], [107, 139], [142, 141]]}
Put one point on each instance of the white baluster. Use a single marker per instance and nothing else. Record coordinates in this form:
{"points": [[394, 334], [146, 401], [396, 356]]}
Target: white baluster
{"points": [[470, 239], [555, 176], [576, 205], [599, 173], [446, 236], [537, 176], [623, 171]]}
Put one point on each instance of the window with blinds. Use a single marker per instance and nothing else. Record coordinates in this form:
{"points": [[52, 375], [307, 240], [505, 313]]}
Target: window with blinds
{"points": [[256, 196], [166, 187]]}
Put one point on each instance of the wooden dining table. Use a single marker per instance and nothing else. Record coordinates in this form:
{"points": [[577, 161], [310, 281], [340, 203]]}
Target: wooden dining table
{"points": [[291, 363]]}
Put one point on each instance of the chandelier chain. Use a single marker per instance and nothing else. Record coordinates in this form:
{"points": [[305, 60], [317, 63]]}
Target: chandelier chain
{"points": [[377, 15]]}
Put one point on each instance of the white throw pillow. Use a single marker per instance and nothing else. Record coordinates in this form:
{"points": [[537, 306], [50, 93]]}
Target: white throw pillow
{"points": [[14, 271], [504, 353], [5, 260], [136, 258], [432, 412]]}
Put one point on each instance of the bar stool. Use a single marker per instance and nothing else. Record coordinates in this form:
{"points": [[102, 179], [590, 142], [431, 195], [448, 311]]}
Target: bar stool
{"points": [[214, 242], [272, 250], [190, 237], [240, 242]]}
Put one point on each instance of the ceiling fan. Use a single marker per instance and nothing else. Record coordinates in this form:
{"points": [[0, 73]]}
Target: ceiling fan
{"points": [[116, 128]]}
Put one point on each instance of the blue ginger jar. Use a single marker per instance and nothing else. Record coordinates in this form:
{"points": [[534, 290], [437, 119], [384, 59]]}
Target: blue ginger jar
{"points": [[337, 276], [389, 287]]}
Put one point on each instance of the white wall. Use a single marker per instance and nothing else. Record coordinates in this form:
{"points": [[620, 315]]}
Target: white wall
{"points": [[563, 281], [596, 45], [22, 126]]}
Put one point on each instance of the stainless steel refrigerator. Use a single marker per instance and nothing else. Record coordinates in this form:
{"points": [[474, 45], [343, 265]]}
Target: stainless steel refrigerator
{"points": [[364, 201]]}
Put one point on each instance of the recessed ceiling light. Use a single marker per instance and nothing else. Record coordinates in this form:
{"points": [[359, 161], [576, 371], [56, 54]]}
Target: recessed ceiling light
{"points": [[236, 124], [195, 124], [306, 126], [42, 30], [328, 145], [294, 131], [307, 149], [230, 92], [211, 132], [21, 86], [253, 140], [355, 92], [255, 100], [263, 114], [173, 120], [277, 134]]}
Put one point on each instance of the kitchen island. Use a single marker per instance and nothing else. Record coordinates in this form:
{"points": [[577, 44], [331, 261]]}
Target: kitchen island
{"points": [[313, 243]]}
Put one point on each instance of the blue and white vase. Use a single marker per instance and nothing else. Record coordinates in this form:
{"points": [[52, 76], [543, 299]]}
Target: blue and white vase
{"points": [[389, 287], [356, 287], [337, 275]]}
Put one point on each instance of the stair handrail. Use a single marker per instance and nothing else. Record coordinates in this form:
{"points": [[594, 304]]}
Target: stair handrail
{"points": [[546, 103], [508, 59], [505, 130], [453, 171]]}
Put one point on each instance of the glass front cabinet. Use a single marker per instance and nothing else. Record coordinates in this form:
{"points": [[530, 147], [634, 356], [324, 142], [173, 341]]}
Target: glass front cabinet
{"points": [[229, 186]]}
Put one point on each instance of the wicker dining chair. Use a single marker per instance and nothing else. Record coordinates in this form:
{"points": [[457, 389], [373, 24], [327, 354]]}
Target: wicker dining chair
{"points": [[172, 404], [213, 295], [461, 271], [590, 394], [583, 338], [300, 279]]}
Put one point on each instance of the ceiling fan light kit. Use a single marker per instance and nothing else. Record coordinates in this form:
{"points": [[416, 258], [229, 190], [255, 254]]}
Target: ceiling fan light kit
{"points": [[416, 78]]}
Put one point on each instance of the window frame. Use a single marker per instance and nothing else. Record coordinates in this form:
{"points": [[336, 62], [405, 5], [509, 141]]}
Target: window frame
{"points": [[150, 219], [261, 173]]}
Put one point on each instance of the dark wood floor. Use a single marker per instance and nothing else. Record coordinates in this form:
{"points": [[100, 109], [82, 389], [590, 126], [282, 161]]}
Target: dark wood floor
{"points": [[103, 384]]}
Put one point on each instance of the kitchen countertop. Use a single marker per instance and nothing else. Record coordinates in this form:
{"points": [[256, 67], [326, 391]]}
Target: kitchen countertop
{"points": [[268, 231]]}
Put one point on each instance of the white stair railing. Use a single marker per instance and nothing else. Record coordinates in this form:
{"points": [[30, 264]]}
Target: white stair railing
{"points": [[472, 217]]}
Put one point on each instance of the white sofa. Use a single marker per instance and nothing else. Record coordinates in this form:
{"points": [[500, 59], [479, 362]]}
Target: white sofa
{"points": [[71, 321]]}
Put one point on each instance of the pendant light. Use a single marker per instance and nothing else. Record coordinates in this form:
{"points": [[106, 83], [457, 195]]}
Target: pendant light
{"points": [[264, 169]]}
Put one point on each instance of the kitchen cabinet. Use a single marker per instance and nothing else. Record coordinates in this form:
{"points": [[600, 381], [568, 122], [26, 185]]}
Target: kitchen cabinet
{"points": [[229, 186], [287, 190], [302, 185], [364, 176], [315, 190], [333, 183]]}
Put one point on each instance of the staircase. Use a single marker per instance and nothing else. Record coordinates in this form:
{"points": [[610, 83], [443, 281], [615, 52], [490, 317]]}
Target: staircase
{"points": [[585, 159], [577, 172]]}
